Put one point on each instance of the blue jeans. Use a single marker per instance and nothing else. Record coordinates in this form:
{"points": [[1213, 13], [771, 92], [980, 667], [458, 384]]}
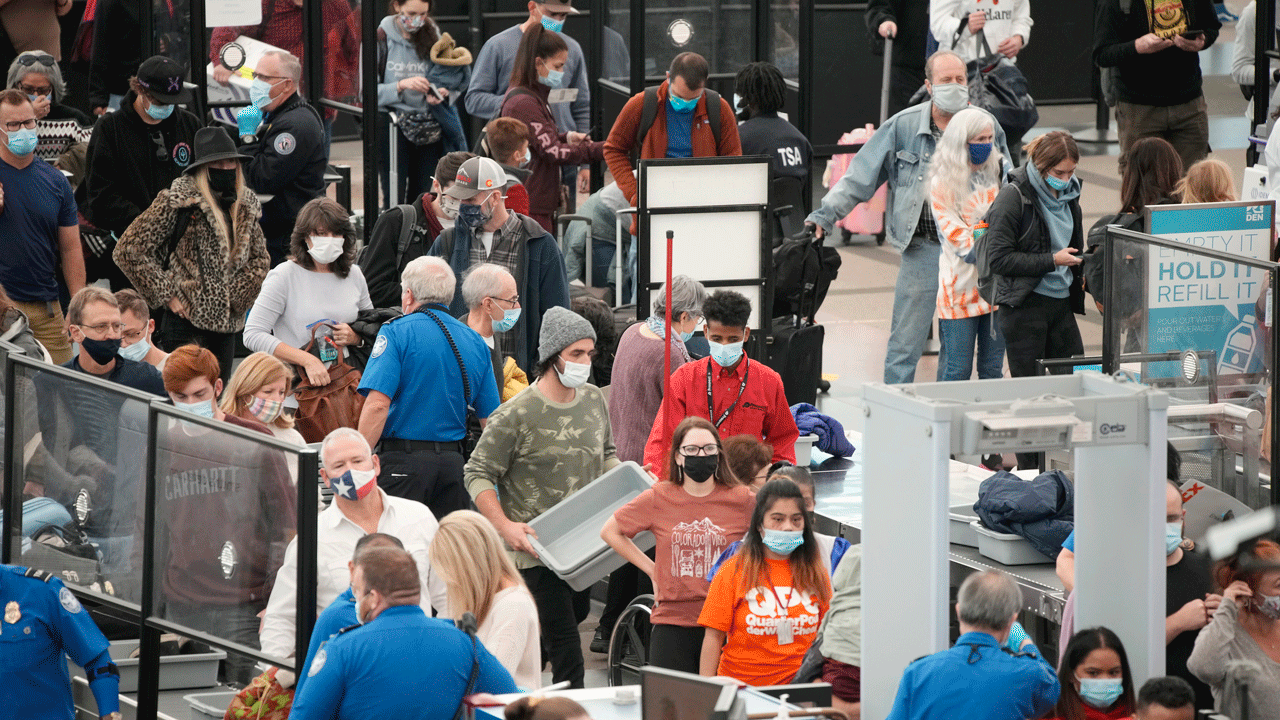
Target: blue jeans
{"points": [[958, 338], [415, 165], [914, 299], [455, 138]]}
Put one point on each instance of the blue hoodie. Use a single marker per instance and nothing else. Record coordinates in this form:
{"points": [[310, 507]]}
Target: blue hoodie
{"points": [[1057, 215], [403, 61]]}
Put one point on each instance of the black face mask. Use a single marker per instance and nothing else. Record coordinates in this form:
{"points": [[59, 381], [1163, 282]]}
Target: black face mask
{"points": [[222, 182], [700, 468], [102, 351]]}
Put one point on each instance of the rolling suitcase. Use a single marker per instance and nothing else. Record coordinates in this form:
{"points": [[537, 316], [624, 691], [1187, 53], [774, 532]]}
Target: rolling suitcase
{"points": [[866, 218], [796, 354]]}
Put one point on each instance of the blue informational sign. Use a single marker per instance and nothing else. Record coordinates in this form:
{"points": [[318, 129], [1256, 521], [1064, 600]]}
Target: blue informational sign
{"points": [[1200, 303]]}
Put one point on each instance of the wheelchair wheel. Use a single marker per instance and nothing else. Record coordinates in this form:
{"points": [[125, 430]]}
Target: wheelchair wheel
{"points": [[629, 646]]}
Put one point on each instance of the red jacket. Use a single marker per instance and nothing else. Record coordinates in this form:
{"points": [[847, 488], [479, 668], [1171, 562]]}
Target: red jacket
{"points": [[547, 145], [762, 411]]}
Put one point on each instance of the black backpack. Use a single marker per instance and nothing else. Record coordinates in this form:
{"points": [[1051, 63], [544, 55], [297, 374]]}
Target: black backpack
{"points": [[649, 113], [1133, 263]]}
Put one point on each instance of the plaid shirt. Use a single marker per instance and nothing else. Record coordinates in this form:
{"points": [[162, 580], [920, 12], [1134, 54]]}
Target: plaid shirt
{"points": [[928, 227], [506, 253]]}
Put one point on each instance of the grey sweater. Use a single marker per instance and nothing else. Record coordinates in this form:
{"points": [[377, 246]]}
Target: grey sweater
{"points": [[1225, 655]]}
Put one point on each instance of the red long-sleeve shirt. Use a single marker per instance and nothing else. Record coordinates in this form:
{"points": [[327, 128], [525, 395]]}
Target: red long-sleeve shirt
{"points": [[762, 411]]}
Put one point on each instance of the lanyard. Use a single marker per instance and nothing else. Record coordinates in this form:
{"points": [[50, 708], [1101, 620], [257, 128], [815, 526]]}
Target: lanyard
{"points": [[711, 405]]}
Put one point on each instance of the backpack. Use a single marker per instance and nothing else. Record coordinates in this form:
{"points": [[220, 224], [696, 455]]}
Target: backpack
{"points": [[1093, 264], [649, 114], [328, 407], [408, 229], [982, 249]]}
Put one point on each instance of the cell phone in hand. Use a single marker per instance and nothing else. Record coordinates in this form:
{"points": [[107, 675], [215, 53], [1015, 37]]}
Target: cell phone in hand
{"points": [[435, 93], [1192, 35]]}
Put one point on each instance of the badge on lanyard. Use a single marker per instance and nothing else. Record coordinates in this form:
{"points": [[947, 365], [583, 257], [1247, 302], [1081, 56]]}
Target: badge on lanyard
{"points": [[11, 612], [785, 634], [786, 627]]}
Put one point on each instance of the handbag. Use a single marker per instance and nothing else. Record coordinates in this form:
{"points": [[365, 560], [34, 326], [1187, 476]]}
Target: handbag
{"points": [[322, 409], [473, 420], [420, 128], [999, 87]]}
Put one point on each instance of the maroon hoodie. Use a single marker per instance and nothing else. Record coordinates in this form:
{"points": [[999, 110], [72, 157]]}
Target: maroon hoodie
{"points": [[547, 145]]}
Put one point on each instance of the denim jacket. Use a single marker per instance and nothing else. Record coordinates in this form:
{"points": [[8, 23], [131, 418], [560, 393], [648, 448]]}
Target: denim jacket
{"points": [[898, 153]]}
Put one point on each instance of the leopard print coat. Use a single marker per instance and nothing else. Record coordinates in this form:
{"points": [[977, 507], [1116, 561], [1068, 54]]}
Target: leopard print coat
{"points": [[216, 285]]}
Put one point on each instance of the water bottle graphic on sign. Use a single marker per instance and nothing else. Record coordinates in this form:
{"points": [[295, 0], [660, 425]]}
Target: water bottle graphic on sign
{"points": [[1239, 349]]}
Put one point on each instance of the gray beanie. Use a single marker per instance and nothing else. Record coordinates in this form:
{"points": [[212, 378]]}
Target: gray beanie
{"points": [[561, 327]]}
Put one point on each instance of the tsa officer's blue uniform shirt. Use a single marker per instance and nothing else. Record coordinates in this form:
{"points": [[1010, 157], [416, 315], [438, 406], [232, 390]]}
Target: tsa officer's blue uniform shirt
{"points": [[42, 621], [976, 679], [401, 665], [340, 614], [412, 363]]}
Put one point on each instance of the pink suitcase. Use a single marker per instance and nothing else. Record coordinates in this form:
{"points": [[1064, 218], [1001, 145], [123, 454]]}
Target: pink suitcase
{"points": [[866, 218]]}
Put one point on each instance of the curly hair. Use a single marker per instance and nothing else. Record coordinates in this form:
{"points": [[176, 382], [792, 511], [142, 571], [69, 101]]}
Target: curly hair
{"points": [[324, 215], [729, 308], [762, 87]]}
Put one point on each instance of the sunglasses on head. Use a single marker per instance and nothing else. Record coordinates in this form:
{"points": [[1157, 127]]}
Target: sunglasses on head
{"points": [[28, 60]]}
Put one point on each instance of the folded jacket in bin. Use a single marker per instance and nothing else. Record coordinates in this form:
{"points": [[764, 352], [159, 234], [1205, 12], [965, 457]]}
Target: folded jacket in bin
{"points": [[1040, 510], [568, 539]]}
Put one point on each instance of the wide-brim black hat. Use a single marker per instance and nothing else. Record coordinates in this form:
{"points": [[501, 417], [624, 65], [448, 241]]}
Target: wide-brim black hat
{"points": [[212, 144]]}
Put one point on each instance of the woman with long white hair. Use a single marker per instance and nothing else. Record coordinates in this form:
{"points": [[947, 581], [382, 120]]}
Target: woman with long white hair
{"points": [[964, 180]]}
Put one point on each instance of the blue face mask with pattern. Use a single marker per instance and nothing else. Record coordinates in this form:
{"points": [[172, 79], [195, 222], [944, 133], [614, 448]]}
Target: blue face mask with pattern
{"points": [[159, 112], [552, 24], [783, 542]]}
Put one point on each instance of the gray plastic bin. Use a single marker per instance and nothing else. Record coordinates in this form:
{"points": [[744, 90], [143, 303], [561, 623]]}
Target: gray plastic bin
{"points": [[569, 534], [804, 449], [210, 705], [962, 532], [177, 672], [1005, 548]]}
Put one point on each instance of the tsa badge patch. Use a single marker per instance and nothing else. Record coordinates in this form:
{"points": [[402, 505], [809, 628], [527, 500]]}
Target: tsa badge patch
{"points": [[68, 600], [285, 143], [379, 346], [317, 663]]}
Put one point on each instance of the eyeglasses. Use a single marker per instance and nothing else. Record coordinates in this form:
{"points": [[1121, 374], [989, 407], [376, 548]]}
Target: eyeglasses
{"points": [[512, 301], [692, 450], [260, 76], [41, 91], [133, 336], [18, 124], [103, 328], [32, 59]]}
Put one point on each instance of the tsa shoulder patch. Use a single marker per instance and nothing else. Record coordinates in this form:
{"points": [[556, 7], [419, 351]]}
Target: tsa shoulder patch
{"points": [[379, 346], [68, 600], [285, 143], [317, 662]]}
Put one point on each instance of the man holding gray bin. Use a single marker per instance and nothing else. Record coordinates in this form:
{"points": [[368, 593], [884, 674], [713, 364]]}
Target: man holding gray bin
{"points": [[539, 448]]}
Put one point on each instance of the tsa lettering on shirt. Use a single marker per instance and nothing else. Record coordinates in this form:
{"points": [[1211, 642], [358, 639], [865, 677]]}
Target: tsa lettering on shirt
{"points": [[790, 156], [763, 615], [695, 547]]}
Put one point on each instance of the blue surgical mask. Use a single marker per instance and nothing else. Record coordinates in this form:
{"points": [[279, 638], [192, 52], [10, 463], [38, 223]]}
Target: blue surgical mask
{"points": [[32, 98], [159, 112], [681, 105], [686, 336], [979, 152], [552, 24], [1101, 693], [1057, 183], [22, 142], [260, 93], [783, 542], [136, 351], [553, 79], [725, 355], [1172, 537], [202, 409], [508, 321], [528, 158]]}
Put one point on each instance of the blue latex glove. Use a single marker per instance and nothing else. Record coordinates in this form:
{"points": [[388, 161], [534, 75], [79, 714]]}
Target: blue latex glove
{"points": [[1016, 637]]}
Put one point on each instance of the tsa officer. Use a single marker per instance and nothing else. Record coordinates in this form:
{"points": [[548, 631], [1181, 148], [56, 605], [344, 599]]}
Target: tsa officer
{"points": [[42, 622]]}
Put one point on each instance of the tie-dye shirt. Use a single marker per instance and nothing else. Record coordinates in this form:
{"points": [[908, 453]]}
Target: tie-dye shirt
{"points": [[957, 272]]}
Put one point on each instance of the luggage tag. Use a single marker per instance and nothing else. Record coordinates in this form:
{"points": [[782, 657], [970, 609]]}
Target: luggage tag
{"points": [[328, 353], [786, 635]]}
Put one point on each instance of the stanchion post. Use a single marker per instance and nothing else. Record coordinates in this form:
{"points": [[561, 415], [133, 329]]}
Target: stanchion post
{"points": [[666, 302]]}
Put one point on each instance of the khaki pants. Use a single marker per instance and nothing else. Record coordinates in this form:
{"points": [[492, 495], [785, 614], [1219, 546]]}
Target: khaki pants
{"points": [[49, 329], [1185, 126]]}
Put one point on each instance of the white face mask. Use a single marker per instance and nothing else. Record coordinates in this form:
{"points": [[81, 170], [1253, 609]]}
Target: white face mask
{"points": [[574, 374], [324, 249]]}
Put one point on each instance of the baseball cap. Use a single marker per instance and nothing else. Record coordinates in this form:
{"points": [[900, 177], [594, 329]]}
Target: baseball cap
{"points": [[162, 77], [559, 7], [477, 175]]}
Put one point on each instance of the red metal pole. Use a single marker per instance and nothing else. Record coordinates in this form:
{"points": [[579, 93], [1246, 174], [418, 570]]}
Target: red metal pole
{"points": [[666, 378]]}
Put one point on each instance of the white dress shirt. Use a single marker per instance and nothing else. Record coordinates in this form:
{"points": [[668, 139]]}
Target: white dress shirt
{"points": [[408, 520]]}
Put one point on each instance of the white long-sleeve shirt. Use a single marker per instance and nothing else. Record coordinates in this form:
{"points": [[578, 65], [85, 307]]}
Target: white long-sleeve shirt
{"points": [[408, 520], [1242, 57], [1009, 18], [510, 634]]}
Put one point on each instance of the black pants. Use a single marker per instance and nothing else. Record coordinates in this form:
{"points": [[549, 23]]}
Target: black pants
{"points": [[625, 584], [560, 610], [429, 477], [173, 332], [903, 83], [1040, 328], [675, 647]]}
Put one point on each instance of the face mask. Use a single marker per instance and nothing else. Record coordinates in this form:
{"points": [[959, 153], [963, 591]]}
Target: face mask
{"points": [[574, 374], [951, 98], [979, 152], [737, 102], [1172, 537], [508, 320], [325, 249], [700, 468], [353, 484], [102, 351], [1267, 605], [159, 112], [359, 605], [474, 216], [783, 542], [22, 142], [32, 98], [553, 78], [681, 105], [412, 23], [528, 158], [202, 409], [136, 351], [1057, 183], [686, 336], [725, 355], [552, 25], [222, 182], [260, 93], [1101, 693], [449, 206], [265, 410]]}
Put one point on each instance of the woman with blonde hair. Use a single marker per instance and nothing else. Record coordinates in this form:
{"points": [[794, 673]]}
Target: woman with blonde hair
{"points": [[257, 391], [482, 580], [1207, 181]]}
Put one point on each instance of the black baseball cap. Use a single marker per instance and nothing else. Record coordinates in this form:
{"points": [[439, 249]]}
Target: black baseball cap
{"points": [[162, 78]]}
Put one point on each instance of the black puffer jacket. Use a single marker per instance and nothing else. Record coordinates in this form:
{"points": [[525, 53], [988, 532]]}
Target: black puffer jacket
{"points": [[1041, 510], [1021, 253]]}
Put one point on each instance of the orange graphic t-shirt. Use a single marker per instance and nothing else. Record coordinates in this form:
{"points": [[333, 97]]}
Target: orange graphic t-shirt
{"points": [[750, 621]]}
